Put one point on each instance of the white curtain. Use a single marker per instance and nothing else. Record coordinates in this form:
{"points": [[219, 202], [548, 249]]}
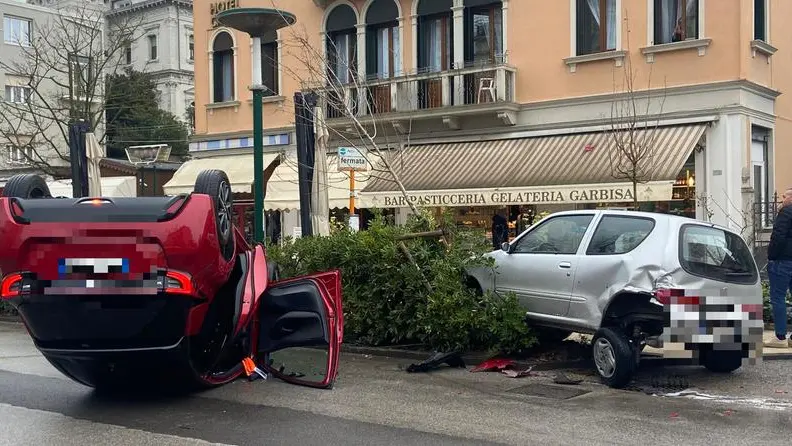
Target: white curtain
{"points": [[498, 35], [434, 39], [342, 44], [610, 30], [228, 75], [383, 53], [395, 45], [669, 12]]}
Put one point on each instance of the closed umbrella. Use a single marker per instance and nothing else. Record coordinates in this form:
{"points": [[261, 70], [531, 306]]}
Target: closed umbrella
{"points": [[320, 202], [94, 154]]}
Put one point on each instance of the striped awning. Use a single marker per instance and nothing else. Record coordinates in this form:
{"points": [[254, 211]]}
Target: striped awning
{"points": [[563, 168]]}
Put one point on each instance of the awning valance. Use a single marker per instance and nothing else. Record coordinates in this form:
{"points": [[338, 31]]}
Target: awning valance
{"points": [[573, 168], [239, 169], [283, 187]]}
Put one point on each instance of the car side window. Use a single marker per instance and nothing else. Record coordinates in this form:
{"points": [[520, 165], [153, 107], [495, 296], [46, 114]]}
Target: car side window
{"points": [[557, 235], [618, 234]]}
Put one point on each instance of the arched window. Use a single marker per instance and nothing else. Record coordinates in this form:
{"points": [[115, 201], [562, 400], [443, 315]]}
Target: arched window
{"points": [[341, 44], [382, 40], [223, 69], [435, 35]]}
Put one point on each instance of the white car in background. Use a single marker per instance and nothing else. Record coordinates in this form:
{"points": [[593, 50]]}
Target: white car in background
{"points": [[627, 277]]}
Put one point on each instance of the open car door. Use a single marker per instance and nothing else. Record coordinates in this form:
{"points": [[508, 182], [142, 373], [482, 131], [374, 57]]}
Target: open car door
{"points": [[301, 329]]}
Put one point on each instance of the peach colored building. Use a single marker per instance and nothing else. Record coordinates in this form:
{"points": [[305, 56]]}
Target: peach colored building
{"points": [[513, 105]]}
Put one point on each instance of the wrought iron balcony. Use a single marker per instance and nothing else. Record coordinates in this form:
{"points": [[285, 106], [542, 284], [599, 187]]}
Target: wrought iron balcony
{"points": [[450, 94]]}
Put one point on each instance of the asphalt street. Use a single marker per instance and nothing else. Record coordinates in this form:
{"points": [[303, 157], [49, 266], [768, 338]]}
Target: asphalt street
{"points": [[376, 402]]}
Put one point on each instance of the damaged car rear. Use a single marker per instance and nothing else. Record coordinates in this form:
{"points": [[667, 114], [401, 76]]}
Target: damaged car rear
{"points": [[632, 278], [124, 293]]}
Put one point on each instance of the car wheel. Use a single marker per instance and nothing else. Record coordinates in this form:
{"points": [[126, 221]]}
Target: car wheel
{"points": [[722, 361], [546, 335], [614, 357], [215, 184], [27, 186]]}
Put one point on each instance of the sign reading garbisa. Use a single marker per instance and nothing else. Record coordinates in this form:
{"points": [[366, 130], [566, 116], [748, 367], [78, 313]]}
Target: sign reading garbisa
{"points": [[218, 7]]}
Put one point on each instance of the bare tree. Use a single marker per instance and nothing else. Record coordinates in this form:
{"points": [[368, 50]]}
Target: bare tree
{"points": [[344, 93], [63, 64], [634, 124]]}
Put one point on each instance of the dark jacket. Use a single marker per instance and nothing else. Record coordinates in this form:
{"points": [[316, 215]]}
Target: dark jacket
{"points": [[781, 239]]}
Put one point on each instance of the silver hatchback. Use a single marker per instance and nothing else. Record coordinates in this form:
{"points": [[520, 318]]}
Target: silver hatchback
{"points": [[630, 278]]}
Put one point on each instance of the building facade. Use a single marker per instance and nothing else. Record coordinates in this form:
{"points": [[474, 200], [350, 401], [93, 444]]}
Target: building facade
{"points": [[518, 106], [163, 47]]}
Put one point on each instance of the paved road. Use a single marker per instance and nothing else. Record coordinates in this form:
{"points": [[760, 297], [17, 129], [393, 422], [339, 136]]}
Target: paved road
{"points": [[375, 402]]}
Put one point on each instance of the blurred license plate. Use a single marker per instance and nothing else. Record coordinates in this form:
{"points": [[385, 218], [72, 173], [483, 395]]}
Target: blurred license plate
{"points": [[93, 266]]}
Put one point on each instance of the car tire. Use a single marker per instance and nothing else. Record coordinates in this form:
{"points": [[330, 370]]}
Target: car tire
{"points": [[546, 335], [215, 184], [27, 186], [614, 357], [722, 361]]}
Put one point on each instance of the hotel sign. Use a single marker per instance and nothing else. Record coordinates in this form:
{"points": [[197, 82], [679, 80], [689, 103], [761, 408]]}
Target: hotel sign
{"points": [[218, 7], [605, 193]]}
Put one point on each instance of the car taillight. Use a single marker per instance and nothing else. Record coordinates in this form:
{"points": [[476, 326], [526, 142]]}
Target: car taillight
{"points": [[11, 286], [676, 297], [177, 283]]}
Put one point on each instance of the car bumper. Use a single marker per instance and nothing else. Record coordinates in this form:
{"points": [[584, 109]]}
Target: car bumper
{"points": [[123, 323]]}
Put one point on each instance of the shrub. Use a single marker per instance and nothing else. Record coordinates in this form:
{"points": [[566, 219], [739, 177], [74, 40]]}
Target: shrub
{"points": [[386, 300]]}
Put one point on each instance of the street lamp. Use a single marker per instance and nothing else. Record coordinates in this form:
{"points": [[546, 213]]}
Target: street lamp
{"points": [[257, 22]]}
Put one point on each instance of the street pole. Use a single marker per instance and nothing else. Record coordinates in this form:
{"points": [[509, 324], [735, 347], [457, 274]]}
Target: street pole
{"points": [[352, 192], [258, 165]]}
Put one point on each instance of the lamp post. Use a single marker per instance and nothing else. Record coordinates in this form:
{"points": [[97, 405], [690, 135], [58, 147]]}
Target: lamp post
{"points": [[256, 22]]}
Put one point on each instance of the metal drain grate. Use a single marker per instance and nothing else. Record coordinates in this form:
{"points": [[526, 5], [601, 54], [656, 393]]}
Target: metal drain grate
{"points": [[549, 391], [658, 384]]}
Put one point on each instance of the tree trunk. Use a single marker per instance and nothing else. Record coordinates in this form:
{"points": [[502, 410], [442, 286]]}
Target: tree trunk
{"points": [[635, 195]]}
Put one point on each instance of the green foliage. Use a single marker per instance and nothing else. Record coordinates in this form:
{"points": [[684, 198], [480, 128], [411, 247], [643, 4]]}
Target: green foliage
{"points": [[386, 300], [134, 118]]}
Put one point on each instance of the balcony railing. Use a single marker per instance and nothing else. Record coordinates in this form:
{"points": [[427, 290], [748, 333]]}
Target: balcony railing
{"points": [[469, 86]]}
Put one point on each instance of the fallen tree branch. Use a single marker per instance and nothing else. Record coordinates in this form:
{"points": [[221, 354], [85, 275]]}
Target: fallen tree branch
{"points": [[406, 252], [438, 233]]}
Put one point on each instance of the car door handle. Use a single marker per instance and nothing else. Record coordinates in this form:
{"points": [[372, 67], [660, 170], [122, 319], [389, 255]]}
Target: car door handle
{"points": [[565, 265]]}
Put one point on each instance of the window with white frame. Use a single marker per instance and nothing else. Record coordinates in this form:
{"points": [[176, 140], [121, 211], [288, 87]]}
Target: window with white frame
{"points": [[16, 30], [596, 26], [223, 68], [81, 75], [128, 53], [152, 47], [18, 154], [190, 47], [675, 20], [760, 20], [18, 94]]}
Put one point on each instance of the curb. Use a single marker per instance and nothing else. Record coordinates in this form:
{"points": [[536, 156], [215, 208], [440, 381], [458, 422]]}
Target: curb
{"points": [[10, 319], [473, 358]]}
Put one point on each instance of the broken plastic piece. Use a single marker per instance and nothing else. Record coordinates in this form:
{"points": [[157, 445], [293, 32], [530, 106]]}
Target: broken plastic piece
{"points": [[492, 365], [511, 373], [453, 359], [251, 370]]}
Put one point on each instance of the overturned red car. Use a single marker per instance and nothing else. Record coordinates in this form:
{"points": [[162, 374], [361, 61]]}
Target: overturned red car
{"points": [[123, 291]]}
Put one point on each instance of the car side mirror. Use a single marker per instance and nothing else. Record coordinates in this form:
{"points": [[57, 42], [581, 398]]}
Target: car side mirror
{"points": [[506, 247]]}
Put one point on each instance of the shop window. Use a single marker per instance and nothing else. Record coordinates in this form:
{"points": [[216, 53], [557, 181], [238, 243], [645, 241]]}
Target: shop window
{"points": [[596, 26], [484, 34], [675, 20], [269, 64], [557, 235], [223, 69], [619, 235], [760, 20]]}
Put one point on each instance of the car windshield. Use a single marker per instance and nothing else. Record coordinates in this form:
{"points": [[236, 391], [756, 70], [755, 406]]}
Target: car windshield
{"points": [[716, 254]]}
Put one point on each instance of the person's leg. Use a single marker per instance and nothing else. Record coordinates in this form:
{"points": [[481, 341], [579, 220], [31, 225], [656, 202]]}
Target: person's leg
{"points": [[779, 276]]}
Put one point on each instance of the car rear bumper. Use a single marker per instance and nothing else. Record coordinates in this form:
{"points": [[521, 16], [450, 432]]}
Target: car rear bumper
{"points": [[72, 323]]}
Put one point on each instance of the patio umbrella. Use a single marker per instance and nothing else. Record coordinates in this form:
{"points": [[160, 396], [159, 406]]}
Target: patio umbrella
{"points": [[94, 154], [320, 202]]}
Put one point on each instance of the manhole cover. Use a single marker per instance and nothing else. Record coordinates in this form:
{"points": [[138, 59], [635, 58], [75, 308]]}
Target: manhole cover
{"points": [[549, 391]]}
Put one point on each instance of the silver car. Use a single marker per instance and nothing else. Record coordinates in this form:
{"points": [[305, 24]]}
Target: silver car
{"points": [[630, 278]]}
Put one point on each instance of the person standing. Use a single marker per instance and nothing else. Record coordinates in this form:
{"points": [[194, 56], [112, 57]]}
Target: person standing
{"points": [[500, 230], [779, 270]]}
